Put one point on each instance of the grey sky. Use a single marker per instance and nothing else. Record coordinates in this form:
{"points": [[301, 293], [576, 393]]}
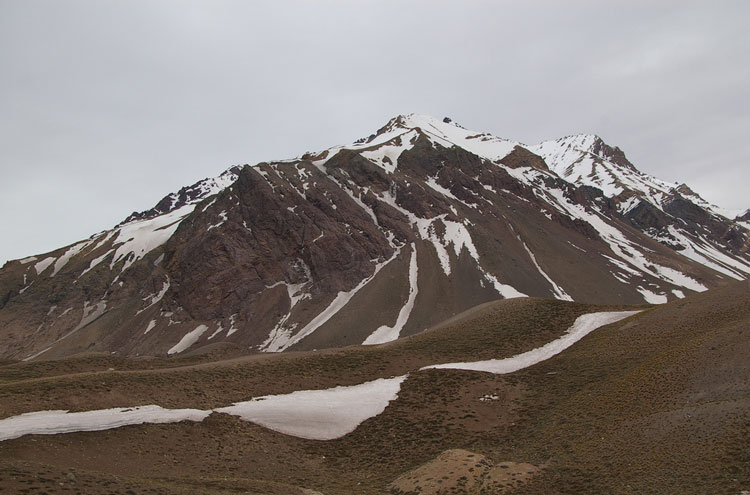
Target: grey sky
{"points": [[107, 106]]}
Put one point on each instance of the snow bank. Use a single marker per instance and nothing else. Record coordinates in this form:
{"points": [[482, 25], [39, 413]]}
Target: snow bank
{"points": [[319, 414], [52, 422], [583, 325]]}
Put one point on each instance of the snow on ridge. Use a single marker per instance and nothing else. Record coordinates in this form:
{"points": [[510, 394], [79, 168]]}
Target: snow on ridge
{"points": [[42, 265], [438, 131], [582, 326], [138, 238]]}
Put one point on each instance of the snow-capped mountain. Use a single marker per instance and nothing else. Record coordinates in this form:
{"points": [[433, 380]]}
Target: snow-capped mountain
{"points": [[366, 242]]}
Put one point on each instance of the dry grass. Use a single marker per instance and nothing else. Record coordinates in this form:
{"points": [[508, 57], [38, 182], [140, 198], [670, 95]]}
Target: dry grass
{"points": [[656, 404]]}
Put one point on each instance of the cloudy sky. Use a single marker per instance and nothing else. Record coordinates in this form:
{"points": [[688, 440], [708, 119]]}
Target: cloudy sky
{"points": [[107, 106]]}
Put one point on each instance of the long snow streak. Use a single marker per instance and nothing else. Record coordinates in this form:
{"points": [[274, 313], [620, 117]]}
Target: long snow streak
{"points": [[386, 333], [313, 414], [556, 289], [53, 422], [285, 341], [188, 340], [583, 325]]}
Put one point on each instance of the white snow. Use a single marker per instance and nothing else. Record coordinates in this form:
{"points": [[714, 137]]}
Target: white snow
{"points": [[432, 183], [280, 333], [312, 414], [155, 298], [583, 325], [556, 289], [455, 233], [63, 260], [27, 260], [94, 263], [216, 332], [505, 290], [573, 159], [90, 313], [678, 293], [53, 422], [42, 265], [387, 333], [232, 321], [319, 414], [703, 252], [622, 247], [151, 325], [222, 219], [481, 144], [386, 154], [189, 339], [282, 339], [136, 239], [651, 297]]}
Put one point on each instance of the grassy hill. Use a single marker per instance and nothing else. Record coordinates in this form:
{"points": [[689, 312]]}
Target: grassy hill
{"points": [[657, 403]]}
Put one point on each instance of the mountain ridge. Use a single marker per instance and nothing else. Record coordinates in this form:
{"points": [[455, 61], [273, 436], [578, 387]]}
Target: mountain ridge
{"points": [[420, 220]]}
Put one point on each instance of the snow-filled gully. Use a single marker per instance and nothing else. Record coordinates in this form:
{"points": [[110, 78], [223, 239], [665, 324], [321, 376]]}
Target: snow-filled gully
{"points": [[311, 414]]}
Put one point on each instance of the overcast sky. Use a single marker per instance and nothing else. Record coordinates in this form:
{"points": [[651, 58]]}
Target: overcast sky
{"points": [[107, 106]]}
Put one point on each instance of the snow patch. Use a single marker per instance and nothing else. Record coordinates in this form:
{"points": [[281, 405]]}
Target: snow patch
{"points": [[151, 325], [188, 340], [155, 298], [53, 422], [319, 414], [136, 239], [42, 265], [222, 220], [651, 297], [583, 325]]}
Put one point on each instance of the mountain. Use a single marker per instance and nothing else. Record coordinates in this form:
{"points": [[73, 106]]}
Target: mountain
{"points": [[367, 242]]}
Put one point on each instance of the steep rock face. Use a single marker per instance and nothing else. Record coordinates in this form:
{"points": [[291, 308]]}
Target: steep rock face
{"points": [[367, 242]]}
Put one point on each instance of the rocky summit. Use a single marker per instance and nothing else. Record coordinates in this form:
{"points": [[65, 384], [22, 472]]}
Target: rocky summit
{"points": [[368, 242]]}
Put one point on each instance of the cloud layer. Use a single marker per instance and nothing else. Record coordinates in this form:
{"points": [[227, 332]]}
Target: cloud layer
{"points": [[105, 107]]}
